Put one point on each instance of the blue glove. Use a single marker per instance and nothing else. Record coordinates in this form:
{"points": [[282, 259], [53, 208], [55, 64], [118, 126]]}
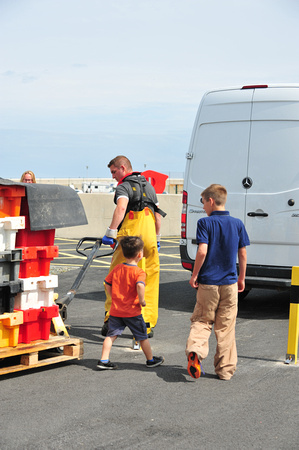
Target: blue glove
{"points": [[158, 245], [107, 240]]}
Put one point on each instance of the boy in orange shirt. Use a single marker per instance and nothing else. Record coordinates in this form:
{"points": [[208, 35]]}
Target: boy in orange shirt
{"points": [[126, 285]]}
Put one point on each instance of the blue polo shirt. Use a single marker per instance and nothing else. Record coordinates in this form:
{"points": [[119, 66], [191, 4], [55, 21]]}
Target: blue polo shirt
{"points": [[224, 235]]}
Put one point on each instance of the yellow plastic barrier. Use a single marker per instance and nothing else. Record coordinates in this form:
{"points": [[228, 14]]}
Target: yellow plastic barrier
{"points": [[9, 328], [292, 350]]}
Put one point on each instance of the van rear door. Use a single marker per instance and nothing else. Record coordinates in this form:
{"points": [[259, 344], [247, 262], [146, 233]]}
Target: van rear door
{"points": [[272, 202], [219, 154]]}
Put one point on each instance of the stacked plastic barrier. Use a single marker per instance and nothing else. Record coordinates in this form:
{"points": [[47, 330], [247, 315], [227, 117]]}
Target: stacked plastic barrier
{"points": [[10, 259], [26, 288], [29, 215], [36, 297]]}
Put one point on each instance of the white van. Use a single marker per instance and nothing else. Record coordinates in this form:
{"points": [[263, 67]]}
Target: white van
{"points": [[248, 140]]}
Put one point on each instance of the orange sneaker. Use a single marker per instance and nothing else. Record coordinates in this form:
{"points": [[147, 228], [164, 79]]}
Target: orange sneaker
{"points": [[194, 366]]}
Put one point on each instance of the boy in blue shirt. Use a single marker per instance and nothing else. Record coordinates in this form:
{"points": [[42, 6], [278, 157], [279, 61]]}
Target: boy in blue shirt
{"points": [[220, 238]]}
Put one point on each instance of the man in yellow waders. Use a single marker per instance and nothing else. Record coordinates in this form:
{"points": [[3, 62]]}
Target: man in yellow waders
{"points": [[136, 214]]}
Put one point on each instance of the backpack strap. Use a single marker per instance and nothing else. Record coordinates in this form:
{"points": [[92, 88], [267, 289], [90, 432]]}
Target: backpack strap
{"points": [[140, 200]]}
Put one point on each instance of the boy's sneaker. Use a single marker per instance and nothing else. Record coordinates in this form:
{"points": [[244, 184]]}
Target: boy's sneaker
{"points": [[104, 366], [157, 360], [194, 365]]}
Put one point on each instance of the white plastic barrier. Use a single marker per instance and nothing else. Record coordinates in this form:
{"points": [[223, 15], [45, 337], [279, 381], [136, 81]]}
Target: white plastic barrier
{"points": [[36, 292], [8, 231]]}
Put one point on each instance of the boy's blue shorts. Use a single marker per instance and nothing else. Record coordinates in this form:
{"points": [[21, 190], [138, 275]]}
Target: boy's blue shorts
{"points": [[116, 326]]}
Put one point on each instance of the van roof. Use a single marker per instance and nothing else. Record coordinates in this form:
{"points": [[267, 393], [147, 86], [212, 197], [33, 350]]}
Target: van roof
{"points": [[256, 86]]}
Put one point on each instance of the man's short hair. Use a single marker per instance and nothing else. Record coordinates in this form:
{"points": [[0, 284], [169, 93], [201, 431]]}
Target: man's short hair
{"points": [[131, 246], [121, 161], [217, 192]]}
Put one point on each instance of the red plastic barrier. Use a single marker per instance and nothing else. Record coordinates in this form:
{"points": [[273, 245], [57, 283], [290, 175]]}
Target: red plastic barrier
{"points": [[36, 260], [36, 324], [28, 238], [157, 180]]}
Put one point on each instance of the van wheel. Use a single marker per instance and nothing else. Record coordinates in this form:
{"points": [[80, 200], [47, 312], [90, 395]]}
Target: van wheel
{"points": [[242, 295]]}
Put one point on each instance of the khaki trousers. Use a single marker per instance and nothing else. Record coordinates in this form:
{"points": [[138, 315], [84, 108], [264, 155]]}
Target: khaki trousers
{"points": [[216, 305]]}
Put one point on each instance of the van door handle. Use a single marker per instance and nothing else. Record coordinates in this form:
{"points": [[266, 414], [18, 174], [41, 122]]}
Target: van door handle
{"points": [[257, 214]]}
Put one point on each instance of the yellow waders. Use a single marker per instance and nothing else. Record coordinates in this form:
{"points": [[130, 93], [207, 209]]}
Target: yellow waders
{"points": [[142, 223]]}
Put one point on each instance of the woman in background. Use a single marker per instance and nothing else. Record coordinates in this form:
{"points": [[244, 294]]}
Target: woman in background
{"points": [[28, 177]]}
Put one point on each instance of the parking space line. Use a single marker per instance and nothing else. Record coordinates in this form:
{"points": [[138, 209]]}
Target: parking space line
{"points": [[68, 257]]}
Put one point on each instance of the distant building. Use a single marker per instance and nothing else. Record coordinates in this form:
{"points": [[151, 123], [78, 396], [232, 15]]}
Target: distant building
{"points": [[94, 187]]}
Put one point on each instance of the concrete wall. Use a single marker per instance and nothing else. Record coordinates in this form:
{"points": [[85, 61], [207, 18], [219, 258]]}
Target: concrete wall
{"points": [[99, 209], [173, 185]]}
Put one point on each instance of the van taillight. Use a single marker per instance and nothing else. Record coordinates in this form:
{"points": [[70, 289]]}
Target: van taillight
{"points": [[184, 215], [187, 265], [255, 86]]}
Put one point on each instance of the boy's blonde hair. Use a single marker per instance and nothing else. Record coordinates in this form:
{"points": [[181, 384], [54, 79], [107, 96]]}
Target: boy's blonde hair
{"points": [[217, 192]]}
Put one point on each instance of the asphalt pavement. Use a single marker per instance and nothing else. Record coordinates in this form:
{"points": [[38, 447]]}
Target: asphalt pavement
{"points": [[74, 405]]}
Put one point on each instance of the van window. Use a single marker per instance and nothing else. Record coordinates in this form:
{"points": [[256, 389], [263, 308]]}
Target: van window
{"points": [[220, 152], [274, 156]]}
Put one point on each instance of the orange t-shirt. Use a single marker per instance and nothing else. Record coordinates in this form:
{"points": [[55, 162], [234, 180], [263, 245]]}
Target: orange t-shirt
{"points": [[123, 280]]}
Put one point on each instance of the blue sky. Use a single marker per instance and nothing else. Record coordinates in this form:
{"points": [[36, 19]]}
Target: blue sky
{"points": [[82, 81]]}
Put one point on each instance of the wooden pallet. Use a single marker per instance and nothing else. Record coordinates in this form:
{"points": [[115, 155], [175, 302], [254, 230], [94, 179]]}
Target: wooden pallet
{"points": [[38, 354]]}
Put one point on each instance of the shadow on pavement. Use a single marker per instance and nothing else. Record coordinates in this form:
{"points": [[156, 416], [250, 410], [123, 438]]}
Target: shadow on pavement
{"points": [[169, 373], [262, 304]]}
